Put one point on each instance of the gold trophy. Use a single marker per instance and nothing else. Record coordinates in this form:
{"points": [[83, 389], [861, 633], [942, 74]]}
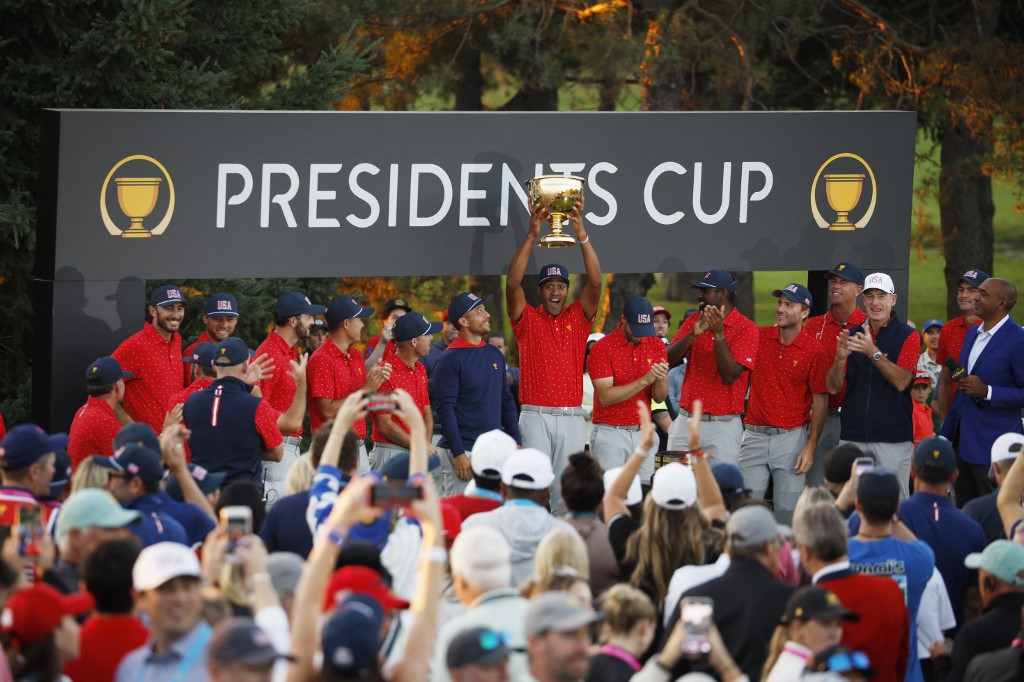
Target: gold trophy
{"points": [[137, 198], [843, 191], [558, 193]]}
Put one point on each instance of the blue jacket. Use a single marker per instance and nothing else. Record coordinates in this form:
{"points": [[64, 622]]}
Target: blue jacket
{"points": [[196, 523], [232, 445], [285, 528], [156, 525]]}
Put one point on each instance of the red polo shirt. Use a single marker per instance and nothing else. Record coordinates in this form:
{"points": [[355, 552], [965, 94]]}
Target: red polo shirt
{"points": [[334, 374], [702, 379], [825, 328], [105, 640], [615, 357], [187, 353], [412, 380], [279, 388], [156, 365], [551, 353], [3, 428], [371, 346], [951, 342], [93, 431], [786, 377]]}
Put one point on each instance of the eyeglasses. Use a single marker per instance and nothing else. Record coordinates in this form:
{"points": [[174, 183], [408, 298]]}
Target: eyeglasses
{"points": [[847, 661]]}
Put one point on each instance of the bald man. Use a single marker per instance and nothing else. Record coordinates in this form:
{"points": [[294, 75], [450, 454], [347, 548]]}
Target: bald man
{"points": [[991, 393]]}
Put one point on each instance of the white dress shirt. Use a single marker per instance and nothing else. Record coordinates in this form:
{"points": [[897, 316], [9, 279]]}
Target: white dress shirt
{"points": [[979, 345]]}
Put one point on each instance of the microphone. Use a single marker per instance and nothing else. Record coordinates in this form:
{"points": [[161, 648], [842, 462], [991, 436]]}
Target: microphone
{"points": [[958, 372]]}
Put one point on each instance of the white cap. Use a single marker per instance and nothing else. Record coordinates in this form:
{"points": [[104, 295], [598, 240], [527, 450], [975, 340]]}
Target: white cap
{"points": [[1007, 446], [163, 562], [634, 495], [674, 487], [490, 452], [879, 280], [532, 467], [596, 336]]}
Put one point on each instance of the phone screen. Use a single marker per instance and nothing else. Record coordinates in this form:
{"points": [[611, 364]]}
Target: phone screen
{"points": [[862, 464], [394, 494], [30, 531], [697, 616]]}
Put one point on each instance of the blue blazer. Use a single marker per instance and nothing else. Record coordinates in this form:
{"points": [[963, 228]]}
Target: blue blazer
{"points": [[1001, 366]]}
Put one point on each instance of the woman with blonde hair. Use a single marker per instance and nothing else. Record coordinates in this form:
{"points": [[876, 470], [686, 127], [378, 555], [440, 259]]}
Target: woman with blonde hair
{"points": [[627, 632], [812, 622], [89, 474], [560, 553]]}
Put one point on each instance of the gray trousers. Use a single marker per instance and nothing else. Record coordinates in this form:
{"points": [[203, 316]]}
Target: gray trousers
{"points": [[828, 440], [382, 452], [722, 439], [773, 455], [612, 447], [558, 435], [450, 483], [892, 456], [276, 473]]}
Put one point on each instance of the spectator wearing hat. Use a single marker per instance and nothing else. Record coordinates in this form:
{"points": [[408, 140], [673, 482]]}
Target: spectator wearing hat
{"points": [[285, 569], [153, 358], [813, 622], [523, 520], [478, 655], [95, 423], [583, 488], [490, 452], [317, 334], [845, 283], [391, 311], [927, 362], [41, 634], [94, 517], [27, 457], [951, 338], [59, 489], [627, 365], [471, 394], [113, 630], [240, 650], [730, 482], [985, 510], [662, 318], [720, 347], [874, 550], [788, 404], [220, 318], [199, 367], [336, 369], [558, 637], [883, 631], [411, 334], [989, 399], [134, 480], [924, 426], [293, 318], [167, 578], [876, 363], [1001, 584]]}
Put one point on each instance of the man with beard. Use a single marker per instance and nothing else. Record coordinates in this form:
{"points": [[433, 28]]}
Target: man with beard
{"points": [[220, 318], [552, 344], [470, 391], [153, 357], [951, 338]]}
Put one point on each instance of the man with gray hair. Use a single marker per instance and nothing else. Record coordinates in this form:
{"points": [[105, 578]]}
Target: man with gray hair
{"points": [[483, 582]]}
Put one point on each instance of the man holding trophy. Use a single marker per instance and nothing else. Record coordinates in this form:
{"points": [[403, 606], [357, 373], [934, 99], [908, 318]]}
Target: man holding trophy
{"points": [[552, 337]]}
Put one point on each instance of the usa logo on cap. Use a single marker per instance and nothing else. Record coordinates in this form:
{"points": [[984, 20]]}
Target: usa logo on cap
{"points": [[553, 271], [875, 279], [643, 318], [224, 305], [971, 273], [791, 287], [474, 297]]}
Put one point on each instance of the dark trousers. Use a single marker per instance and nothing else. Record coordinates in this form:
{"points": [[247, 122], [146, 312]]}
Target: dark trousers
{"points": [[973, 480]]}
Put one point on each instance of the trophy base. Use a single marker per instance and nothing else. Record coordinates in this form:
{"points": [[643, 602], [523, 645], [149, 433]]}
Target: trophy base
{"points": [[132, 233], [556, 241], [842, 226]]}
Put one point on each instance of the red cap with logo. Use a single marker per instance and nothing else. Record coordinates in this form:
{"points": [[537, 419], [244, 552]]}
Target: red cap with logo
{"points": [[34, 612]]}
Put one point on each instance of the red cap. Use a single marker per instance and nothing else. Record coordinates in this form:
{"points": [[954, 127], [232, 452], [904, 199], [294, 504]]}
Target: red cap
{"points": [[922, 378], [444, 316], [34, 612], [452, 523], [658, 310], [361, 580]]}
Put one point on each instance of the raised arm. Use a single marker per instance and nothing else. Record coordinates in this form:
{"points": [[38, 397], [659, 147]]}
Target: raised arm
{"points": [[290, 420], [590, 297], [615, 497], [1008, 500], [515, 299], [708, 492]]}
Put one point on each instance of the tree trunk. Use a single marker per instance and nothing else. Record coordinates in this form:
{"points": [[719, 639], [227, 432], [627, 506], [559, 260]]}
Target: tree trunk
{"points": [[469, 86], [622, 287]]}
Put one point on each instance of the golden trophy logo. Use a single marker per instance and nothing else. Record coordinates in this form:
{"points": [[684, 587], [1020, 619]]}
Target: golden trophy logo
{"points": [[844, 192], [137, 196]]}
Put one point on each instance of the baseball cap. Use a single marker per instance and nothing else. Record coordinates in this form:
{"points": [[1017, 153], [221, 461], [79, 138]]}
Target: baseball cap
{"points": [[208, 481], [558, 611], [104, 371], [797, 293], [477, 646], [34, 612], [365, 581], [660, 310], [494, 566], [61, 472], [973, 277], [639, 316], [222, 305], [881, 281], [1008, 446], [451, 522], [136, 433], [25, 444], [634, 495], [394, 303], [596, 336], [413, 325], [751, 526], [163, 562], [674, 487], [351, 638], [878, 492], [816, 603], [93, 508], [528, 469], [285, 569], [922, 378], [463, 303], [230, 352], [1003, 558], [135, 460], [716, 279], [932, 322], [168, 294], [729, 479], [397, 467], [318, 326], [490, 452], [847, 271], [202, 354], [241, 641], [296, 303], [553, 271], [345, 308]]}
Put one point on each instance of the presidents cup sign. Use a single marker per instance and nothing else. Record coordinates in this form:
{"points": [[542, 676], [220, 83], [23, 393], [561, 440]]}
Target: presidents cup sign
{"points": [[257, 194]]}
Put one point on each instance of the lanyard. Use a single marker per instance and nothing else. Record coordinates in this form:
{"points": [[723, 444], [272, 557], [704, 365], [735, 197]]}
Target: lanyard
{"points": [[487, 494], [621, 654], [190, 657], [521, 503]]}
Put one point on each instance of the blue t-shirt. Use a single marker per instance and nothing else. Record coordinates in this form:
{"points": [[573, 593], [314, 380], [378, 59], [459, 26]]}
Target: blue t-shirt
{"points": [[911, 565]]}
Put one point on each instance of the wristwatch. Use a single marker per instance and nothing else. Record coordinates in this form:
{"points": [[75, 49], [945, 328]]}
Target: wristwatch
{"points": [[877, 356]]}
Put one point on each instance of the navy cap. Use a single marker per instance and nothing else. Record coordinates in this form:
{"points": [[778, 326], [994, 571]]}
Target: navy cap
{"points": [[296, 303], [135, 460], [935, 456], [105, 371], [61, 472], [351, 638], [639, 314], [717, 279], [974, 277], [553, 271], [477, 646], [463, 303], [397, 466], [932, 322], [414, 325], [729, 479], [345, 308], [240, 641], [847, 271], [230, 352], [25, 444], [208, 481], [222, 305], [394, 303], [168, 294], [136, 433], [797, 293], [202, 354], [318, 326], [878, 490]]}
